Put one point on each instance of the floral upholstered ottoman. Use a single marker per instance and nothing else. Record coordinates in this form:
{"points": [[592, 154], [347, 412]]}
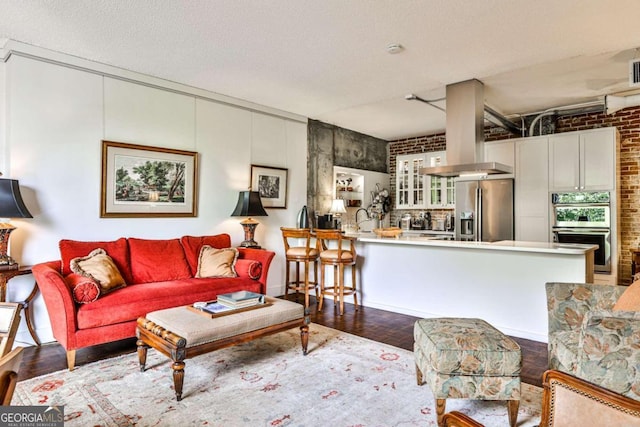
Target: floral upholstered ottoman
{"points": [[467, 359]]}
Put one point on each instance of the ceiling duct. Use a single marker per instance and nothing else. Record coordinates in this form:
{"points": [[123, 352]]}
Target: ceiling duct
{"points": [[616, 103], [465, 132]]}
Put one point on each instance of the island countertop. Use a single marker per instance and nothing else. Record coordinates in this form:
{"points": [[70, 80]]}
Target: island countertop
{"points": [[501, 282], [502, 245]]}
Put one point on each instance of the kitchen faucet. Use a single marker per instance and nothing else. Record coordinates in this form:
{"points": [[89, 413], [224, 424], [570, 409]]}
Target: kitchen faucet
{"points": [[356, 217]]}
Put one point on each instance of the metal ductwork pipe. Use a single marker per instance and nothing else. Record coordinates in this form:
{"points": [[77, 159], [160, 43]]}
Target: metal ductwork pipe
{"points": [[491, 115], [569, 110]]}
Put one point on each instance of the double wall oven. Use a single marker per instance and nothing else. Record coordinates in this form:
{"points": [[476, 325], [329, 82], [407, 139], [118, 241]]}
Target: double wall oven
{"points": [[584, 217]]}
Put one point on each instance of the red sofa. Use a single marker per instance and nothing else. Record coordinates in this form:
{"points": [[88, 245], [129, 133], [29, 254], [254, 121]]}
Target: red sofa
{"points": [[159, 274]]}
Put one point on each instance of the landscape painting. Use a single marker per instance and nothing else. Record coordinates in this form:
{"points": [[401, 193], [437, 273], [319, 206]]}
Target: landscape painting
{"points": [[142, 181]]}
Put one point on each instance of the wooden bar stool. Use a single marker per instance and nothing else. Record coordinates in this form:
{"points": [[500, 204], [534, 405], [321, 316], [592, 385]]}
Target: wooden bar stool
{"points": [[333, 252], [300, 254]]}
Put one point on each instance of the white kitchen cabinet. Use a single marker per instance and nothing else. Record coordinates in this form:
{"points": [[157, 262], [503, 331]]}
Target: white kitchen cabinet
{"points": [[410, 184], [583, 161], [440, 190], [500, 151], [532, 200]]}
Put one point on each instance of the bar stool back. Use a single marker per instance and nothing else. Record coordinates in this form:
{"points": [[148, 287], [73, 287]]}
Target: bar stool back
{"points": [[297, 253], [338, 251]]}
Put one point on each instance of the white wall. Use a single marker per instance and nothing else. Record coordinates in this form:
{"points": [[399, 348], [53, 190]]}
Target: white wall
{"points": [[56, 117]]}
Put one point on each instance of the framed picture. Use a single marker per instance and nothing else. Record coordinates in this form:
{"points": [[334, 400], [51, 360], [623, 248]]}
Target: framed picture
{"points": [[143, 181], [271, 183]]}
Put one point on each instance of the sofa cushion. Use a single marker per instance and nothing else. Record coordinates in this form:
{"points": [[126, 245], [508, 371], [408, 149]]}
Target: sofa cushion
{"points": [[193, 244], [100, 267], [248, 268], [214, 262], [157, 260], [118, 250], [136, 301], [83, 289]]}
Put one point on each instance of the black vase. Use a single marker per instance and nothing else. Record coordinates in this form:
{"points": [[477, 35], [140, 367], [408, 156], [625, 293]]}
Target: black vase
{"points": [[303, 218]]}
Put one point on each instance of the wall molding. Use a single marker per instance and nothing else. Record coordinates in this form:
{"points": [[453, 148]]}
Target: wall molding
{"points": [[21, 49]]}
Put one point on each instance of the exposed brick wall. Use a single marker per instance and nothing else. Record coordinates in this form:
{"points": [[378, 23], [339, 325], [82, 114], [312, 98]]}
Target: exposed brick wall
{"points": [[628, 123]]}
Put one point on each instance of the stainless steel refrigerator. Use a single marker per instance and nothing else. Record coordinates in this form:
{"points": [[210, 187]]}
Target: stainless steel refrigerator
{"points": [[484, 209]]}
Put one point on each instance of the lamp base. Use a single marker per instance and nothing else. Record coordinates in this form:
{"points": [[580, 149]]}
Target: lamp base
{"points": [[249, 226], [5, 232]]}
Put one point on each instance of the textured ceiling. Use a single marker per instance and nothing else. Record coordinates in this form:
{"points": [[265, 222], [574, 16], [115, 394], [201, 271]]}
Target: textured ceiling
{"points": [[327, 59]]}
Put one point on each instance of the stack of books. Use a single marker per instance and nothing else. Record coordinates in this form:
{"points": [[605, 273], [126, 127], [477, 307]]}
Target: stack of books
{"points": [[240, 299]]}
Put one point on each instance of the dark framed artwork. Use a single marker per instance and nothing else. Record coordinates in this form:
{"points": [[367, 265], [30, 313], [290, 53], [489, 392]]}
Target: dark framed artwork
{"points": [[144, 181], [271, 183]]}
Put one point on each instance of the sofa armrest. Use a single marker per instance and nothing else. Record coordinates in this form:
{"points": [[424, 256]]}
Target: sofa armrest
{"points": [[609, 351], [58, 300], [567, 303], [264, 257]]}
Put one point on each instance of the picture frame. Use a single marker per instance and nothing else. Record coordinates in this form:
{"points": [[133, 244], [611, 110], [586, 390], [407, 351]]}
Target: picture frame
{"points": [[271, 183], [140, 181]]}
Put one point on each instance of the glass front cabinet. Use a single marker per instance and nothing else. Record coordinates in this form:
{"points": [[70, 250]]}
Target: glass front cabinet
{"points": [[441, 189], [416, 191], [410, 184]]}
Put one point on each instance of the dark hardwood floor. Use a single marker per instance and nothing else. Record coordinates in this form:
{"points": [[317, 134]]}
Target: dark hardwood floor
{"points": [[379, 325]]}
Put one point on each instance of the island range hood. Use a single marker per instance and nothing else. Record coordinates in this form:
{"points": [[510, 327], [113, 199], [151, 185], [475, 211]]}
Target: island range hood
{"points": [[465, 133]]}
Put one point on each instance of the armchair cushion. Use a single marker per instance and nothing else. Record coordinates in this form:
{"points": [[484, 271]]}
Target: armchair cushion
{"points": [[591, 340]]}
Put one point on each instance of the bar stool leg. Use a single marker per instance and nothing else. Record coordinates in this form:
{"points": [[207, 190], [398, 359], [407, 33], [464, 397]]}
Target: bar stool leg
{"points": [[321, 287], [306, 285], [336, 295], [287, 278], [353, 284], [341, 288]]}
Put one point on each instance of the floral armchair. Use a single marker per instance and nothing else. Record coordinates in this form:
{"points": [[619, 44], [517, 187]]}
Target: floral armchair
{"points": [[590, 340]]}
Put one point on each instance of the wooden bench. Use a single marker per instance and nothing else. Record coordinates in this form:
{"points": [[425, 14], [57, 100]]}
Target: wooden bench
{"points": [[182, 332]]}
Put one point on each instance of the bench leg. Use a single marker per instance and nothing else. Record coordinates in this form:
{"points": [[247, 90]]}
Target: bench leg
{"points": [[512, 406], [304, 337], [178, 378], [440, 407], [142, 354], [419, 375]]}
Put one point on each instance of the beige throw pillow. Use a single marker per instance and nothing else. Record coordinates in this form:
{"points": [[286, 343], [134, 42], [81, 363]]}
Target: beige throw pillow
{"points": [[214, 262], [630, 298], [100, 267]]}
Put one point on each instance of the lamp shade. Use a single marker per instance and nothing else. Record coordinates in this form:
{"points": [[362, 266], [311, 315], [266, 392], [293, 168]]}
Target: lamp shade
{"points": [[11, 204], [249, 204], [337, 207]]}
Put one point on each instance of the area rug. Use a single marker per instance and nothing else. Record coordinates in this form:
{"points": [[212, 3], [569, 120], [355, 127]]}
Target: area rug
{"points": [[344, 381]]}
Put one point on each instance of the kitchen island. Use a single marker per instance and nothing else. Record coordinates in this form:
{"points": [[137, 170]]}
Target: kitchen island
{"points": [[501, 282]]}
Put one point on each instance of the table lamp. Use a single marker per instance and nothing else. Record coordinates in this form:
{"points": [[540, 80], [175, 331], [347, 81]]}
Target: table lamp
{"points": [[249, 204], [337, 209], [11, 206]]}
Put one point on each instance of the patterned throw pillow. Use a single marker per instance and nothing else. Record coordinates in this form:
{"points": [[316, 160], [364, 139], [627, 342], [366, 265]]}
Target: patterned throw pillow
{"points": [[83, 289], [100, 267], [214, 262]]}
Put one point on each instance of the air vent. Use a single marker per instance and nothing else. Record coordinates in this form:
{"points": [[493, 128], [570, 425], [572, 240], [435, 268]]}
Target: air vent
{"points": [[634, 72]]}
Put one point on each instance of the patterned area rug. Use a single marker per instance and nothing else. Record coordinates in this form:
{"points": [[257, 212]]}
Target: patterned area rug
{"points": [[345, 381]]}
